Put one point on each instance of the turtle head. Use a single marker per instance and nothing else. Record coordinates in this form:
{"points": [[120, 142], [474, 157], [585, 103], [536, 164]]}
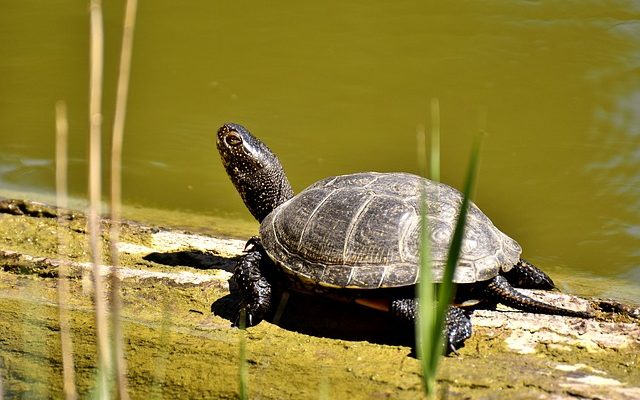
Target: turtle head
{"points": [[254, 170], [241, 152]]}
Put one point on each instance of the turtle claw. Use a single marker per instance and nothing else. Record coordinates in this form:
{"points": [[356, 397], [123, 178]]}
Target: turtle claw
{"points": [[245, 318], [240, 318], [252, 244]]}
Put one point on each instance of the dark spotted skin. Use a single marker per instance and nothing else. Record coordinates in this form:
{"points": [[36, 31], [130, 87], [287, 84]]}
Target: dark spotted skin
{"points": [[527, 276], [260, 179], [458, 328], [254, 170], [501, 291], [250, 276], [457, 323]]}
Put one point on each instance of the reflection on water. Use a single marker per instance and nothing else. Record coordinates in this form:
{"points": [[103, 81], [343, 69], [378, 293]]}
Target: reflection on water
{"points": [[28, 173], [616, 172], [339, 87]]}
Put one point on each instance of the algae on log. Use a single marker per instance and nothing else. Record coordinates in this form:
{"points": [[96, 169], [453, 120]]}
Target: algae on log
{"points": [[180, 343]]}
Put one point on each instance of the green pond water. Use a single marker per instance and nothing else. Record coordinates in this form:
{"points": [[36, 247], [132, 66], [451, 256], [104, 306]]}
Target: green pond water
{"points": [[337, 87]]}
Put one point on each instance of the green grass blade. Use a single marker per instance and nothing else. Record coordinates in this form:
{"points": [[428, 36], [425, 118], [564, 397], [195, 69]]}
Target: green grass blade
{"points": [[426, 300], [447, 288], [434, 161], [432, 313], [243, 373], [425, 339]]}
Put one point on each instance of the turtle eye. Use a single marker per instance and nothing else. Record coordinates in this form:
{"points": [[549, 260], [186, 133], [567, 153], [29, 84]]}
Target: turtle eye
{"points": [[233, 139]]}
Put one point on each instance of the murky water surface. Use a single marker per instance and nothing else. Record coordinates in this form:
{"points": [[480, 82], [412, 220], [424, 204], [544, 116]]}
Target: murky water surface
{"points": [[338, 87]]}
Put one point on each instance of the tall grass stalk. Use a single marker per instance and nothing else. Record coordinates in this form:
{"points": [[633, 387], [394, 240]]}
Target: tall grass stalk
{"points": [[116, 192], [425, 339], [162, 359], [446, 290], [95, 135], [433, 308], [434, 160], [66, 344]]}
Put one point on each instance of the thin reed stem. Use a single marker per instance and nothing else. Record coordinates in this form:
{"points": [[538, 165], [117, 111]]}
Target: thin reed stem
{"points": [[446, 289], [427, 303], [68, 371], [243, 373], [1, 385], [95, 135], [433, 308], [421, 149], [116, 191], [434, 166], [428, 338]]}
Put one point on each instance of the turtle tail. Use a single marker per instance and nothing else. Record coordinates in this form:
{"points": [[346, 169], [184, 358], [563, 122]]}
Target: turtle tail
{"points": [[501, 291]]}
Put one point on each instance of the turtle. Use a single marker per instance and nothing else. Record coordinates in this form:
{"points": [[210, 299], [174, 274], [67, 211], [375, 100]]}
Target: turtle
{"points": [[355, 237]]}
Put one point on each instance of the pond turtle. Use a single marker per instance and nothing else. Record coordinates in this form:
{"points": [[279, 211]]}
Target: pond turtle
{"points": [[356, 236]]}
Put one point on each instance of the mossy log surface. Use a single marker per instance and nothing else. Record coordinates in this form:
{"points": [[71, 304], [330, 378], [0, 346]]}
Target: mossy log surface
{"points": [[179, 341]]}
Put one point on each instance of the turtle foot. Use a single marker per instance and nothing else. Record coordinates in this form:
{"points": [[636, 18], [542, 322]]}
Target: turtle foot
{"points": [[253, 286], [247, 316], [458, 328], [457, 323], [527, 276]]}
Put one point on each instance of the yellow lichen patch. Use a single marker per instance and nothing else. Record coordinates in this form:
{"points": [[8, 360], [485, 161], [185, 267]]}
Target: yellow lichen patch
{"points": [[179, 342]]}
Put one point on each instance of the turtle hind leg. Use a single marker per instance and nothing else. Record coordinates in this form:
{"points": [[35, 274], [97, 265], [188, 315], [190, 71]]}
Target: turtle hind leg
{"points": [[255, 290], [528, 276], [499, 289], [457, 323]]}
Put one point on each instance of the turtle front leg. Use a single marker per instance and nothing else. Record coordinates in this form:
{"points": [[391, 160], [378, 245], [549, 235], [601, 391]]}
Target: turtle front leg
{"points": [[255, 290], [458, 324], [527, 276]]}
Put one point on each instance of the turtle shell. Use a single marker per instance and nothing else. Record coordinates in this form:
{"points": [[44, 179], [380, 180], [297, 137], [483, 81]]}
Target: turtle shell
{"points": [[363, 231]]}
